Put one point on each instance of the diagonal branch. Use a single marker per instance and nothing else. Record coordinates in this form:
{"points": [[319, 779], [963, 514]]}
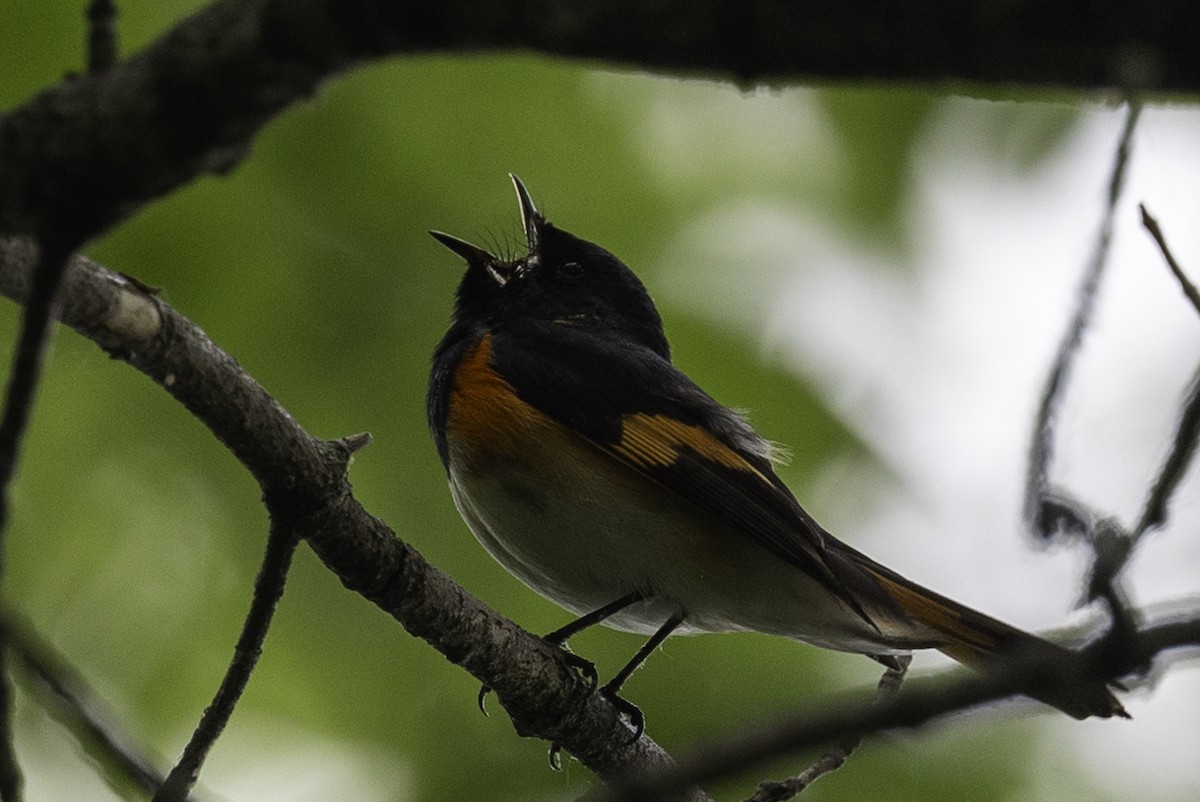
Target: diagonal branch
{"points": [[1151, 225], [77, 705], [303, 480]]}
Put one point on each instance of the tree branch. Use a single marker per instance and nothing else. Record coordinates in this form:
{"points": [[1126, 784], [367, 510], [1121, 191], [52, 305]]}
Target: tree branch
{"points": [[921, 701], [304, 482], [86, 154]]}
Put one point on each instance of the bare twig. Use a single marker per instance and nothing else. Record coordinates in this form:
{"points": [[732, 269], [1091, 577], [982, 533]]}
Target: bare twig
{"points": [[1048, 512], [1187, 430], [268, 589], [836, 756], [32, 344], [102, 36], [85, 715], [1189, 289], [1183, 449], [1113, 544], [10, 770], [27, 367]]}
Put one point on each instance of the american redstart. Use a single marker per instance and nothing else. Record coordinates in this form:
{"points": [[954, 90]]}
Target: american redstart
{"points": [[606, 480]]}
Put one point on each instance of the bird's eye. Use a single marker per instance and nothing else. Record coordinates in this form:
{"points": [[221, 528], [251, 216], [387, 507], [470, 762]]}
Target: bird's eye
{"points": [[570, 270]]}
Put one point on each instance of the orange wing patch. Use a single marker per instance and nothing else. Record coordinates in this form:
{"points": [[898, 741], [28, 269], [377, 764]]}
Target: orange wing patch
{"points": [[485, 413], [970, 643], [656, 441]]}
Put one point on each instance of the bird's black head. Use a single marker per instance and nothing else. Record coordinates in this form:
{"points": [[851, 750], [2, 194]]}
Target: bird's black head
{"points": [[563, 280]]}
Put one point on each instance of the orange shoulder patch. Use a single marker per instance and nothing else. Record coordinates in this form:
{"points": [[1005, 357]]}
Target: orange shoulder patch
{"points": [[484, 411]]}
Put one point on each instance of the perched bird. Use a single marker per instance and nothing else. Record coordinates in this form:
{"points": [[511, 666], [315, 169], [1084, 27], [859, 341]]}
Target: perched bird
{"points": [[606, 480]]}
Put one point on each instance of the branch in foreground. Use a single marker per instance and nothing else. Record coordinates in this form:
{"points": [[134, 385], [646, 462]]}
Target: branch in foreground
{"points": [[28, 360], [921, 702], [304, 479], [91, 151]]}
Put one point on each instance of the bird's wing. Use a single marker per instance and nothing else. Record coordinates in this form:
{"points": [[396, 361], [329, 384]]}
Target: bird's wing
{"points": [[653, 419]]}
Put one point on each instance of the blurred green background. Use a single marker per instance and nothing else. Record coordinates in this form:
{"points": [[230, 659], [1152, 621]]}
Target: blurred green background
{"points": [[136, 536]]}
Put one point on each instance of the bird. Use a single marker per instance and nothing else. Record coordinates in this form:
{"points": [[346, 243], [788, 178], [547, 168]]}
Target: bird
{"points": [[606, 480]]}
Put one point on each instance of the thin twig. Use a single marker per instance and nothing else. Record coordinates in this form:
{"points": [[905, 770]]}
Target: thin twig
{"points": [[102, 36], [1112, 544], [1049, 513], [268, 588], [1189, 289], [1183, 449], [839, 753], [27, 367], [32, 344], [1187, 431], [10, 771], [83, 714]]}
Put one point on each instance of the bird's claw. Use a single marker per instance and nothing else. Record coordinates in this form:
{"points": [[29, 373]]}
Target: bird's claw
{"points": [[484, 690], [631, 711], [585, 668]]}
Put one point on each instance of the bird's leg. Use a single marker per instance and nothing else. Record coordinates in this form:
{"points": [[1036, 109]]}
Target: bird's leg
{"points": [[896, 666], [559, 638], [613, 686]]}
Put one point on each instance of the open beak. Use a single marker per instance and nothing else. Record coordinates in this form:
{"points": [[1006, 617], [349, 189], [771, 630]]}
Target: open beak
{"points": [[475, 256], [530, 219]]}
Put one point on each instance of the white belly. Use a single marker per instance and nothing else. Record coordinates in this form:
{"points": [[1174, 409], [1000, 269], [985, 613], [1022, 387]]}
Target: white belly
{"points": [[562, 534]]}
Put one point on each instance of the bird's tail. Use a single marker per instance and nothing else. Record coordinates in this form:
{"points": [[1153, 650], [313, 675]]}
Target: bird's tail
{"points": [[982, 643]]}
